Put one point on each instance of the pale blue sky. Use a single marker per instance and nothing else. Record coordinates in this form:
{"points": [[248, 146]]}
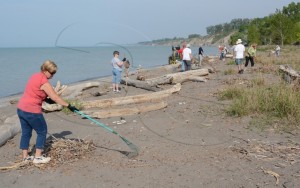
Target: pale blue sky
{"points": [[35, 23]]}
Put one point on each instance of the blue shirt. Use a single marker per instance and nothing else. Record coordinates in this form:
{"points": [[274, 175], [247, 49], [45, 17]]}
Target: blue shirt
{"points": [[114, 63]]}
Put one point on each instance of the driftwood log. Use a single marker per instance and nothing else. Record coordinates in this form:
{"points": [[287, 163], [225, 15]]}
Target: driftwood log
{"points": [[126, 111], [174, 78], [67, 92], [11, 127], [149, 97], [50, 107], [290, 75], [77, 89]]}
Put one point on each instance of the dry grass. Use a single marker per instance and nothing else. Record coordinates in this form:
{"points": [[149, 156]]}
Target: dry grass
{"points": [[278, 105]]}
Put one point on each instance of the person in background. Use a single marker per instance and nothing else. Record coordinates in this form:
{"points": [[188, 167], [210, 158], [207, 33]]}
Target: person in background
{"points": [[250, 55], [29, 111], [221, 50], [187, 57], [117, 71], [277, 50], [223, 53], [239, 55], [181, 56], [200, 54]]}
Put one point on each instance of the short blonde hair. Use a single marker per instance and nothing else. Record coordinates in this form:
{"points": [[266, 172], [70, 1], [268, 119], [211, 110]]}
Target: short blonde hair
{"points": [[49, 66]]}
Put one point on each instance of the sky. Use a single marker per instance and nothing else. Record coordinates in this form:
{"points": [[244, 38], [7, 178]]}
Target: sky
{"points": [[50, 23]]}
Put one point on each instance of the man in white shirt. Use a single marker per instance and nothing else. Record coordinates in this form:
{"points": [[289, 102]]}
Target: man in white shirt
{"points": [[187, 57], [239, 55]]}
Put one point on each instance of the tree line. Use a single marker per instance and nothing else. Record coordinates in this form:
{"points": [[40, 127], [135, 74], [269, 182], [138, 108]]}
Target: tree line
{"points": [[281, 27]]}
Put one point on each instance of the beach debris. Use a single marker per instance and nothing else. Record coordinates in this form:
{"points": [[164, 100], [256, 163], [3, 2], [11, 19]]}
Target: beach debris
{"points": [[174, 78], [13, 101], [119, 122], [99, 93], [290, 75], [64, 151], [153, 98], [50, 106], [77, 89], [9, 128], [272, 173], [15, 165], [141, 77], [136, 99], [126, 111], [61, 151]]}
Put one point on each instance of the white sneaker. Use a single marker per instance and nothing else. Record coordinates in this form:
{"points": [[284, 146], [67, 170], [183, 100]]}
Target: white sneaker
{"points": [[41, 160]]}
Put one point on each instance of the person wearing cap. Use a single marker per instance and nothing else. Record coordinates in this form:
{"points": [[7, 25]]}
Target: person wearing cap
{"points": [[187, 57], [251, 54], [117, 65], [239, 55]]}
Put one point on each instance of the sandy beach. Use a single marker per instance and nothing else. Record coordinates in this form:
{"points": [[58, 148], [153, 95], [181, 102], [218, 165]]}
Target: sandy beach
{"points": [[190, 143]]}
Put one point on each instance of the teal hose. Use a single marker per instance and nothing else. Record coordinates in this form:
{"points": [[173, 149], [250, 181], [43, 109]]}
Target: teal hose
{"points": [[129, 144]]}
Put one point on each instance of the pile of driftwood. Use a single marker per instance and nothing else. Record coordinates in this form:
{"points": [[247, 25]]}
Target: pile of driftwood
{"points": [[67, 151], [61, 151]]}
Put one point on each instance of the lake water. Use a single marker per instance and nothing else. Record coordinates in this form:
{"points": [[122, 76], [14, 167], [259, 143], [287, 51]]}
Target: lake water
{"points": [[77, 63]]}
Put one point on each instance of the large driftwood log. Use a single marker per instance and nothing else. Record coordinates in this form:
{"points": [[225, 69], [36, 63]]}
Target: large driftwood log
{"points": [[185, 76], [290, 75], [77, 89], [174, 78], [149, 97], [138, 84], [165, 68], [126, 111], [9, 129], [197, 79]]}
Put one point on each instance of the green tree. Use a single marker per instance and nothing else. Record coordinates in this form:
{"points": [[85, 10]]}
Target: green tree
{"points": [[297, 31], [235, 37], [253, 34], [292, 11], [281, 28]]}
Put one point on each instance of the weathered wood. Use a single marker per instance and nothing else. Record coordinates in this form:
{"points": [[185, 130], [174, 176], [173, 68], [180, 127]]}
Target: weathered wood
{"points": [[9, 129], [126, 111], [184, 76], [197, 79], [77, 89], [178, 77], [149, 97], [138, 84], [291, 75], [51, 107], [59, 89]]}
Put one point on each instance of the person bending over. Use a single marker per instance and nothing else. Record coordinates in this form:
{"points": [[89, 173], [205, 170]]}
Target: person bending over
{"points": [[29, 111]]}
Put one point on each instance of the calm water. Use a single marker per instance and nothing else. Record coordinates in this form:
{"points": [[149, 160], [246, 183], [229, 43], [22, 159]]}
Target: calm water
{"points": [[75, 64]]}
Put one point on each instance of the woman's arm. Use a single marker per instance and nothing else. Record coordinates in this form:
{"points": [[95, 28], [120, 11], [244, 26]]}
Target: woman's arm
{"points": [[53, 95], [120, 63]]}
